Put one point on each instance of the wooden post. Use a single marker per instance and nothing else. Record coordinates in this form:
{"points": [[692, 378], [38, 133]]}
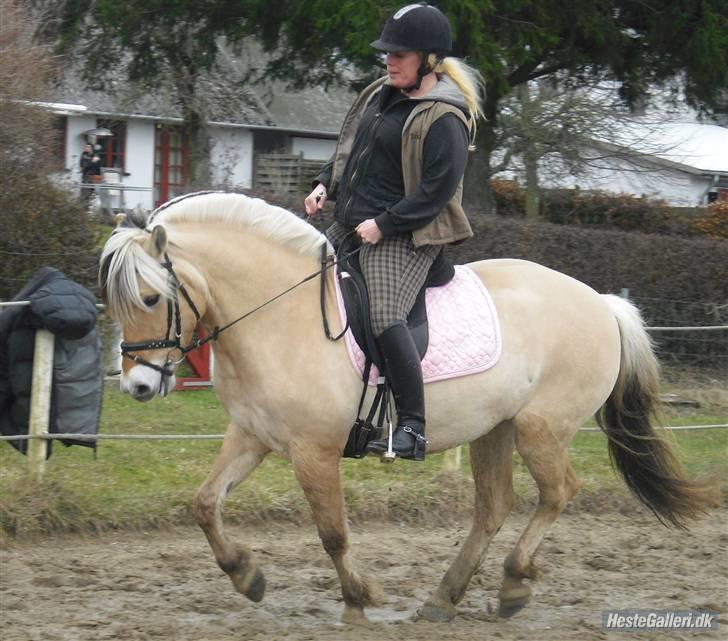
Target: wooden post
{"points": [[453, 459], [40, 401]]}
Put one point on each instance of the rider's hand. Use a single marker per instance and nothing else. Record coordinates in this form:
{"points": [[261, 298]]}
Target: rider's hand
{"points": [[315, 200], [369, 232]]}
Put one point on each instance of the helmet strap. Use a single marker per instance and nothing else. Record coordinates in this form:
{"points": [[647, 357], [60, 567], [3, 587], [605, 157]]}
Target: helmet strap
{"points": [[422, 71]]}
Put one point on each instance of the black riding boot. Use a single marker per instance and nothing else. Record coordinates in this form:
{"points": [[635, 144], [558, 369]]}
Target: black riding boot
{"points": [[404, 371]]}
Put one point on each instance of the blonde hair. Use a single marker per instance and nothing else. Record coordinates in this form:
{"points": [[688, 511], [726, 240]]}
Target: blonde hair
{"points": [[468, 80]]}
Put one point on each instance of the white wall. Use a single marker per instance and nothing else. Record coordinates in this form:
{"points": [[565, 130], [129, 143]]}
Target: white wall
{"points": [[677, 188], [232, 157], [313, 148]]}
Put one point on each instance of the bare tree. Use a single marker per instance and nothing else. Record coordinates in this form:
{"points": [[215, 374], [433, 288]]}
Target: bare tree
{"points": [[549, 129], [41, 223], [25, 127]]}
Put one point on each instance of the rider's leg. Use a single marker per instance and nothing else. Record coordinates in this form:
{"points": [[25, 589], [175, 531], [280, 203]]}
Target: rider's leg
{"points": [[395, 271], [404, 372]]}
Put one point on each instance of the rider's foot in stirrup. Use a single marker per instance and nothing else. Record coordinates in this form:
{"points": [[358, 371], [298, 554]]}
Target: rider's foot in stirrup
{"points": [[408, 442]]}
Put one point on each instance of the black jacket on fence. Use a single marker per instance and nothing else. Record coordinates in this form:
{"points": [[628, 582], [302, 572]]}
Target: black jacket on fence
{"points": [[67, 310]]}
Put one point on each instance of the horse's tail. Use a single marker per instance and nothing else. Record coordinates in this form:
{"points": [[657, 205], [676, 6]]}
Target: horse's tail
{"points": [[645, 461]]}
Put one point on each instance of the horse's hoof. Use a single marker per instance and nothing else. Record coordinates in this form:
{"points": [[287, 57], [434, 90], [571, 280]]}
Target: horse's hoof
{"points": [[354, 616], [506, 609], [256, 589], [435, 613]]}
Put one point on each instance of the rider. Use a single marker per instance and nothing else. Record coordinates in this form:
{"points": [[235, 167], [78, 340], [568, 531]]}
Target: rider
{"points": [[397, 178]]}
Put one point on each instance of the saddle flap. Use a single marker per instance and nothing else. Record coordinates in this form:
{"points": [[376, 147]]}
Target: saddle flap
{"points": [[356, 303]]}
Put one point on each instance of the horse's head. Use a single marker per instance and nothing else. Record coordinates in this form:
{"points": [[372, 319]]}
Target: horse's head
{"points": [[157, 298]]}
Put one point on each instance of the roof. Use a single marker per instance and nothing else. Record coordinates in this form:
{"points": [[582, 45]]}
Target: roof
{"points": [[232, 100], [313, 109], [701, 146]]}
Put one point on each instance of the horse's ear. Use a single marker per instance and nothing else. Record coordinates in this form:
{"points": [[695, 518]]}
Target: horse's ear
{"points": [[156, 244]]}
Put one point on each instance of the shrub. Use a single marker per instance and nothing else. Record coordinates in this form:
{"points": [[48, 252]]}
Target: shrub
{"points": [[599, 209], [714, 222], [676, 281], [41, 223]]}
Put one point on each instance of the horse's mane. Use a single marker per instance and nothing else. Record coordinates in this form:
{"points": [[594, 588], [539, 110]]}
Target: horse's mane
{"points": [[238, 209], [124, 261]]}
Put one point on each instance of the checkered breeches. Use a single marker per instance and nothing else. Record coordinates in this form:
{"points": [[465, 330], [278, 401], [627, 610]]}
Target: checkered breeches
{"points": [[394, 271]]}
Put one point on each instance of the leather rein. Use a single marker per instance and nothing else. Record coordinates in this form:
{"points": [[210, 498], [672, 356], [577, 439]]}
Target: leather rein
{"points": [[174, 341]]}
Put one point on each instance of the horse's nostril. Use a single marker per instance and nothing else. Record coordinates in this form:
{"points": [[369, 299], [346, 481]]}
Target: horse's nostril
{"points": [[142, 390]]}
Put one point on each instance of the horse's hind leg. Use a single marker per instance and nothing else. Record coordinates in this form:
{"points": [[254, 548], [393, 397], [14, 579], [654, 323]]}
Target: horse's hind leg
{"points": [[318, 473], [239, 456], [547, 460], [491, 458]]}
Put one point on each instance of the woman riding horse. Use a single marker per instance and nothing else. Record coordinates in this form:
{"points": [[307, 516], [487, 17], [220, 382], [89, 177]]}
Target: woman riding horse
{"points": [[397, 179]]}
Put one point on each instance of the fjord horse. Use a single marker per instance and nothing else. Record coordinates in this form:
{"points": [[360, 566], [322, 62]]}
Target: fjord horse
{"points": [[567, 354]]}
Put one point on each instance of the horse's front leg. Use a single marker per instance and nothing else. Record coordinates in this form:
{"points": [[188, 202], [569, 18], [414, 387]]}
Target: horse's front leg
{"points": [[239, 455], [317, 471]]}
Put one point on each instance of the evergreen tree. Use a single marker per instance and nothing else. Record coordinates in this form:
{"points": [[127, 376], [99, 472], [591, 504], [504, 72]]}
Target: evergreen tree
{"points": [[684, 42]]}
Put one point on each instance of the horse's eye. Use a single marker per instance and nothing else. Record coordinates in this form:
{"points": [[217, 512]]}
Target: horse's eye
{"points": [[151, 300]]}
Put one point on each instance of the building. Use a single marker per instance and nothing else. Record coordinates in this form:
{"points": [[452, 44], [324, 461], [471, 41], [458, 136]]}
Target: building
{"points": [[687, 165], [143, 149]]}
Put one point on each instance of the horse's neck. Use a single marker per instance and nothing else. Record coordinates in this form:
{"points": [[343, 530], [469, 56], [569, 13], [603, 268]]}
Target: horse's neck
{"points": [[244, 271]]}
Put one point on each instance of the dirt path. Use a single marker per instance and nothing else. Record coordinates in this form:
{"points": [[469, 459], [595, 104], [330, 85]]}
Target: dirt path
{"points": [[165, 586]]}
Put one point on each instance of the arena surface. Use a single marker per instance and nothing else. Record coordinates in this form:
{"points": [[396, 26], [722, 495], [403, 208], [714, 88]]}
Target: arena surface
{"points": [[165, 585]]}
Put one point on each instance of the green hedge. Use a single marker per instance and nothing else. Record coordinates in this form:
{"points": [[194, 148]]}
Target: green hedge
{"points": [[624, 212], [675, 281]]}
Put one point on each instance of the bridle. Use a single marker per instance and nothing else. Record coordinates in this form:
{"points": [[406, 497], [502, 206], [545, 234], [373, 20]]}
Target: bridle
{"points": [[174, 317], [170, 342]]}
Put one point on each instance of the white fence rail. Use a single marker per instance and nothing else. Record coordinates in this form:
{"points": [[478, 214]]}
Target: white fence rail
{"points": [[38, 435]]}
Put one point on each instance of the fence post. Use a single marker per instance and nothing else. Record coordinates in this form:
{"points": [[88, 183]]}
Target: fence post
{"points": [[453, 458], [40, 401]]}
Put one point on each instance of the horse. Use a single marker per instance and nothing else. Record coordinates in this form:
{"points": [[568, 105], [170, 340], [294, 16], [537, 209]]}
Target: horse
{"points": [[243, 269]]}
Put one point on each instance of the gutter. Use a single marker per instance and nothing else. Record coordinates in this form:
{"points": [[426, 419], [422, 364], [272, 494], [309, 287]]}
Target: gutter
{"points": [[67, 109]]}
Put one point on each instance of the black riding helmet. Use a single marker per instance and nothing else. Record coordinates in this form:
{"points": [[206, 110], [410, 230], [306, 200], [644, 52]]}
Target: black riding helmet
{"points": [[416, 27]]}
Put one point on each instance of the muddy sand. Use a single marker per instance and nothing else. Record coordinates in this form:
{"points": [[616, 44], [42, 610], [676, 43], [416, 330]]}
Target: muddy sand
{"points": [[165, 585]]}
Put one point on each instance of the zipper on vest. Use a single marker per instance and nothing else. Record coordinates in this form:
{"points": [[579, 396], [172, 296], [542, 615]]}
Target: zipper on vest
{"points": [[362, 155]]}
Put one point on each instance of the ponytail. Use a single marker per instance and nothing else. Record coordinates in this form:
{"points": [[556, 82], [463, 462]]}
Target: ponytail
{"points": [[468, 80]]}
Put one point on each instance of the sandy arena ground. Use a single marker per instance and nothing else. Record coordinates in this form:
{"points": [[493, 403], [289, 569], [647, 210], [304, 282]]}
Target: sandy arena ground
{"points": [[165, 586]]}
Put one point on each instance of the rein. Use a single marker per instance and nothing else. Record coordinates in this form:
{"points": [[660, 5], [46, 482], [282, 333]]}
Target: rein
{"points": [[174, 316]]}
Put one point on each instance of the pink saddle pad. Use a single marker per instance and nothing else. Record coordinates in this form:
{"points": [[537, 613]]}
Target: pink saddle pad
{"points": [[465, 335]]}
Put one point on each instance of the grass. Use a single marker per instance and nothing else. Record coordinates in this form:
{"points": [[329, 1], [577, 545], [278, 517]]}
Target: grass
{"points": [[137, 484]]}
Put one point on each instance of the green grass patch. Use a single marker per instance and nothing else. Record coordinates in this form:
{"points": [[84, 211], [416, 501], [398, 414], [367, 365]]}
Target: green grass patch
{"points": [[138, 484]]}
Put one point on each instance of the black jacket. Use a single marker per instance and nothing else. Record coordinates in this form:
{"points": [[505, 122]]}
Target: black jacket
{"points": [[372, 184], [67, 310]]}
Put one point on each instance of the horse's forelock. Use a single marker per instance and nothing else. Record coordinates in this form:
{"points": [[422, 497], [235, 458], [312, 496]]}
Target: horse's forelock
{"points": [[123, 264]]}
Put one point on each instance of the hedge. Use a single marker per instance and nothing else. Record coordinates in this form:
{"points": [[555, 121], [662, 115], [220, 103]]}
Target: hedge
{"points": [[675, 281], [624, 212]]}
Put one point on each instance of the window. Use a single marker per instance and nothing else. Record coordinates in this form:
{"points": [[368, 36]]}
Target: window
{"points": [[113, 148], [171, 163]]}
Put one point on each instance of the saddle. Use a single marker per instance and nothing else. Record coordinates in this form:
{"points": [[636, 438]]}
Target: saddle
{"points": [[355, 297]]}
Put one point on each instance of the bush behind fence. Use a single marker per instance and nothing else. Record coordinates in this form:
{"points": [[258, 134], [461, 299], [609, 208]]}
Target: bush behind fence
{"points": [[675, 281]]}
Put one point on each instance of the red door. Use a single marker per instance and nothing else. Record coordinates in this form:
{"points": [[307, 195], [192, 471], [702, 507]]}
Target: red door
{"points": [[171, 163]]}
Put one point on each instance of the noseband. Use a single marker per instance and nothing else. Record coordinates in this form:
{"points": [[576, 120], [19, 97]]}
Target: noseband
{"points": [[170, 342]]}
